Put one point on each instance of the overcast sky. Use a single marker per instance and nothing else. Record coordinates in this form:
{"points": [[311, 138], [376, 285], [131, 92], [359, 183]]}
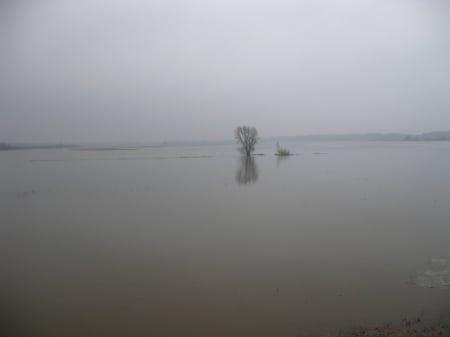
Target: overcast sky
{"points": [[153, 70]]}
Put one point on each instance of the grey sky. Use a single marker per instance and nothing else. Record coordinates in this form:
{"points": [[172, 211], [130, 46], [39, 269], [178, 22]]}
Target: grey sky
{"points": [[136, 70]]}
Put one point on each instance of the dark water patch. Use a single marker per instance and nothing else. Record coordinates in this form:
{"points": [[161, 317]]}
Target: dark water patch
{"points": [[133, 158], [184, 157], [106, 149]]}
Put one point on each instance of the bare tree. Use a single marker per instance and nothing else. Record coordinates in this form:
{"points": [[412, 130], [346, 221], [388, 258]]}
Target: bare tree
{"points": [[247, 137]]}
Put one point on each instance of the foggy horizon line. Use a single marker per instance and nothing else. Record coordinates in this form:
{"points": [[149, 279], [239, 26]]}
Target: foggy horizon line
{"points": [[229, 140]]}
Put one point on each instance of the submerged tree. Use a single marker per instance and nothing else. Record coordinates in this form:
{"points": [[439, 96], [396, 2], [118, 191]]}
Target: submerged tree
{"points": [[248, 137]]}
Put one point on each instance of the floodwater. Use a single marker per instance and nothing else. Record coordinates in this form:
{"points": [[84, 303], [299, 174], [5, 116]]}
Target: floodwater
{"points": [[197, 241]]}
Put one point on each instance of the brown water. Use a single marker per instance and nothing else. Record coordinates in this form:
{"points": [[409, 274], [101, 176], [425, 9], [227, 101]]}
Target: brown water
{"points": [[194, 241]]}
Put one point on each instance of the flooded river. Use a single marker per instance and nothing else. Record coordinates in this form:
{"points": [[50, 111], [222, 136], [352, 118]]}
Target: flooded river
{"points": [[193, 241]]}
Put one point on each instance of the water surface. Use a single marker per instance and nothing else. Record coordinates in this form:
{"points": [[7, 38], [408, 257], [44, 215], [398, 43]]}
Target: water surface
{"points": [[197, 241]]}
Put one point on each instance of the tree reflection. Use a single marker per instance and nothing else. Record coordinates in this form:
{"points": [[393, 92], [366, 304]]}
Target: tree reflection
{"points": [[281, 159], [247, 172]]}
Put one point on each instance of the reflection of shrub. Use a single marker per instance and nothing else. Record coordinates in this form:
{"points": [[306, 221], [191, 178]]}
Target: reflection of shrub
{"points": [[281, 151]]}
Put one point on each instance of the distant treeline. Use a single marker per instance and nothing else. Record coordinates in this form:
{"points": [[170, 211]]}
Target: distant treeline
{"points": [[12, 146], [430, 136], [5, 146], [366, 137], [361, 137]]}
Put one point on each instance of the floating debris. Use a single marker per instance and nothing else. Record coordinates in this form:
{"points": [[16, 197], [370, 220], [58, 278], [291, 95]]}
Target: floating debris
{"points": [[436, 276], [26, 194]]}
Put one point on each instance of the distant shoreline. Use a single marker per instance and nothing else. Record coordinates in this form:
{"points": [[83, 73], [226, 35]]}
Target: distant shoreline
{"points": [[434, 136], [14, 146], [395, 137]]}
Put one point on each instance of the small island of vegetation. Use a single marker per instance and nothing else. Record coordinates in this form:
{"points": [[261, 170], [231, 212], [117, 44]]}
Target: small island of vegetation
{"points": [[281, 151]]}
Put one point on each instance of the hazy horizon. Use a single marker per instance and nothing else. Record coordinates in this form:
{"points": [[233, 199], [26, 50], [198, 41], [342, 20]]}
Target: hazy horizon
{"points": [[229, 139], [146, 71]]}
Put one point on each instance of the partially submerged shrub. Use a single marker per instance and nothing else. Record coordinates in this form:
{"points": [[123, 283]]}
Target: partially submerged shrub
{"points": [[281, 151]]}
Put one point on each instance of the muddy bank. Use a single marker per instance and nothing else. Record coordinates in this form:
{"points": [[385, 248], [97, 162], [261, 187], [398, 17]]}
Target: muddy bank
{"points": [[416, 327]]}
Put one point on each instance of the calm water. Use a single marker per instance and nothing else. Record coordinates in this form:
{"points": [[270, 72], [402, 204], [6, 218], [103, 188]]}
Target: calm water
{"points": [[194, 241]]}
